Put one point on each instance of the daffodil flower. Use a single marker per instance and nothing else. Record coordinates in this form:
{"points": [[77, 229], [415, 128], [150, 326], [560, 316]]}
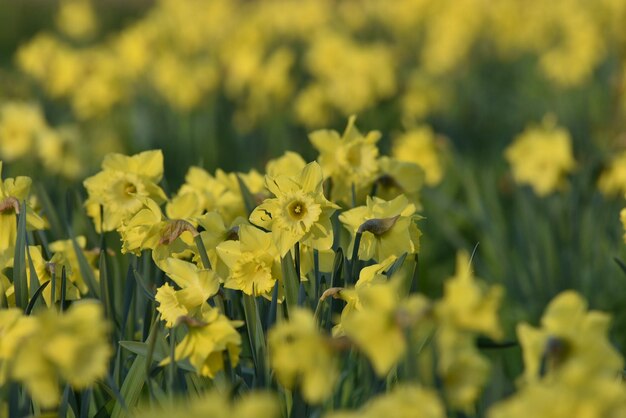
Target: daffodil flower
{"points": [[299, 212]]}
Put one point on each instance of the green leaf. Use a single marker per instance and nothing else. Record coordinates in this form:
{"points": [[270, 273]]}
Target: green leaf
{"points": [[256, 335], [85, 269], [33, 300], [19, 260], [248, 199], [131, 388], [150, 294], [49, 210], [290, 281]]}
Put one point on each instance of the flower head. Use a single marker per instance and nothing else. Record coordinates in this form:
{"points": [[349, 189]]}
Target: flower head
{"points": [[209, 338], [298, 212], [541, 157], [387, 228], [301, 355], [122, 187], [350, 160]]}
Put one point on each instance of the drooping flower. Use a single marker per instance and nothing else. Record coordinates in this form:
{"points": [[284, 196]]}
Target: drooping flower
{"points": [[196, 287], [253, 261], [66, 250], [299, 212], [301, 355], [122, 187], [49, 270], [387, 228], [14, 191], [209, 338]]}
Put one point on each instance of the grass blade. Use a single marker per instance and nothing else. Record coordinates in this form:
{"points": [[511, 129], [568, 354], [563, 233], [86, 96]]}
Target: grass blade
{"points": [[290, 281], [19, 260], [33, 300]]}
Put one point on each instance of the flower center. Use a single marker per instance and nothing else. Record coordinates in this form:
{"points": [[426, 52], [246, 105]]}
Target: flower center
{"points": [[130, 188], [297, 210]]}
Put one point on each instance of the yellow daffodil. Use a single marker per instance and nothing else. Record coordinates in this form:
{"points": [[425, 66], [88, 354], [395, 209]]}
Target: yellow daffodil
{"points": [[253, 261], [76, 18], [289, 164], [612, 181], [541, 157], [403, 401], [301, 356], [419, 146], [216, 405], [44, 271], [72, 347], [398, 177], [388, 228], [66, 250], [572, 344], [376, 323], [13, 191], [349, 160], [468, 304], [122, 187], [196, 287], [299, 212], [20, 124], [460, 366], [209, 338], [14, 327], [598, 398]]}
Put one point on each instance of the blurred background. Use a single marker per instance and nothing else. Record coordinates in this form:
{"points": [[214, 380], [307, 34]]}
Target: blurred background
{"points": [[450, 84]]}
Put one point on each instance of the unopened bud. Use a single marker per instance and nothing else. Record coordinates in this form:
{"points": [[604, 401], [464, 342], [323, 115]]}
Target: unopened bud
{"points": [[378, 226]]}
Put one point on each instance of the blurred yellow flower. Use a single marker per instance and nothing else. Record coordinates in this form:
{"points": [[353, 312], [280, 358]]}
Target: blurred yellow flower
{"points": [[76, 18], [20, 124], [209, 337], [349, 160], [398, 177], [541, 157], [419, 146], [301, 356], [44, 271], [217, 405], [299, 212], [572, 344], [612, 181], [468, 304], [14, 191], [72, 346], [461, 368], [403, 401], [376, 324]]}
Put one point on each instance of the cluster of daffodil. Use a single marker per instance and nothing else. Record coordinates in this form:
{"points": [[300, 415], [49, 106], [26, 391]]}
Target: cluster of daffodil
{"points": [[324, 56], [288, 293], [24, 132]]}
